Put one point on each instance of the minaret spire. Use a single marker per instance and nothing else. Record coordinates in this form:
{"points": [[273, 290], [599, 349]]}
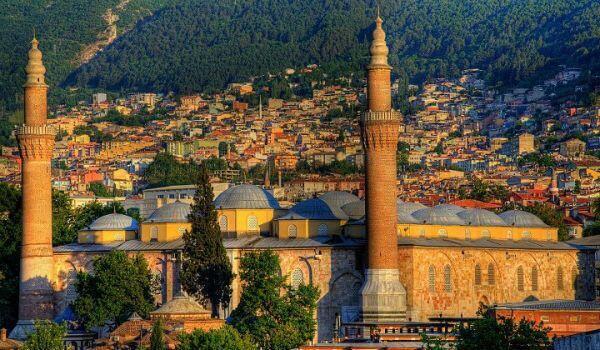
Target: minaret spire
{"points": [[383, 297], [36, 143]]}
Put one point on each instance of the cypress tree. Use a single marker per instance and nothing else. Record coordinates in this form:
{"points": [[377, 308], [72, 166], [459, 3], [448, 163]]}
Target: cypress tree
{"points": [[157, 338], [206, 271]]}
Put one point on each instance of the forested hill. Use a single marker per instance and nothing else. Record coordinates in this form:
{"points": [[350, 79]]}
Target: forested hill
{"points": [[200, 44], [65, 28]]}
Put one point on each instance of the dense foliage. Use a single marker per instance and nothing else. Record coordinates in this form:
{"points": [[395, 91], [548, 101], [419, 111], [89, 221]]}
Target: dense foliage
{"points": [[484, 192], [157, 338], [225, 338], [200, 44], [165, 170], [272, 313], [206, 272], [119, 286], [47, 335]]}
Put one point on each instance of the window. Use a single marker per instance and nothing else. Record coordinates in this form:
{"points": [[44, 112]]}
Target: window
{"points": [[119, 236], [526, 235], [292, 231], [181, 230], [575, 277], [468, 234], [560, 278], [491, 275], [520, 279], [322, 230], [223, 223], [154, 233], [297, 278], [442, 233], [172, 196], [477, 275], [71, 290], [534, 278], [447, 279], [509, 234], [252, 223], [431, 278], [485, 234], [422, 233]]}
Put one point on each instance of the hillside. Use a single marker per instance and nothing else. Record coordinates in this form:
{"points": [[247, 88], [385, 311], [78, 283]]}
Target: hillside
{"points": [[202, 44], [66, 28]]}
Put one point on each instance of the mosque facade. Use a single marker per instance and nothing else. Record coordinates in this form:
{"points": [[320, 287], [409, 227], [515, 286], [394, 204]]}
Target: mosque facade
{"points": [[374, 260]]}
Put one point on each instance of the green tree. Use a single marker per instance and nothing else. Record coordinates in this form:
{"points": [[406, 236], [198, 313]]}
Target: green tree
{"points": [[62, 215], [551, 217], [84, 215], [119, 286], [206, 271], [439, 148], [483, 191], [502, 333], [165, 170], [596, 208], [157, 339], [225, 338], [275, 315], [592, 230], [47, 335], [10, 243], [100, 190]]}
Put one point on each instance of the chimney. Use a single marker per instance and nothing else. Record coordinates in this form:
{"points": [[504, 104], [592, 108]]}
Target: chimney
{"points": [[3, 334]]}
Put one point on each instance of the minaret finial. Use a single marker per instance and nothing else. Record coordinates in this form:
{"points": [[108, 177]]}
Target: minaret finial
{"points": [[35, 67], [379, 50]]}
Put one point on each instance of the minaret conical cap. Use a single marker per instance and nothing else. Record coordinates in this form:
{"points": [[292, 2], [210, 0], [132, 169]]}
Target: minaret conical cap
{"points": [[35, 67], [379, 49]]}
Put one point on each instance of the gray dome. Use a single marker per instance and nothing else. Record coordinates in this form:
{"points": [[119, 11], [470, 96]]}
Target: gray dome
{"points": [[315, 209], [114, 222], [480, 217], [408, 207], [355, 210], [519, 218], [172, 212], [246, 197], [437, 216], [338, 198], [451, 207]]}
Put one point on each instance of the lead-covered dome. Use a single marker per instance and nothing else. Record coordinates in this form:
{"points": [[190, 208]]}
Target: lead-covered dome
{"points": [[519, 218], [450, 207], [480, 217], [114, 222], [172, 212], [437, 216], [246, 197], [315, 209], [338, 198], [408, 207], [354, 210]]}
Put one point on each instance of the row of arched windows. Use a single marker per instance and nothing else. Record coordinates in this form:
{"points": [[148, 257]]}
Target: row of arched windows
{"points": [[491, 275], [443, 233], [447, 278], [560, 278]]}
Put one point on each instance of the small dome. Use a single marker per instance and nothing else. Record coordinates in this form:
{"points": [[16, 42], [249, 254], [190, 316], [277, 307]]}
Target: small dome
{"points": [[451, 207], [179, 306], [114, 222], [438, 216], [480, 217], [408, 207], [246, 197], [338, 198], [519, 218], [172, 212], [354, 210], [315, 209]]}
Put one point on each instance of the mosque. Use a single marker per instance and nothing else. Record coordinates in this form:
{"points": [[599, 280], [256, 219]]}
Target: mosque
{"points": [[373, 260]]}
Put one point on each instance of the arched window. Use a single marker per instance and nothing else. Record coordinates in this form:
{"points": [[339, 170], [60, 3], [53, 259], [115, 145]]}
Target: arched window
{"points": [[71, 290], [477, 275], [509, 234], [520, 279], [119, 236], [485, 234], [431, 278], [153, 233], [468, 234], [422, 233], [447, 279], [526, 235], [223, 223], [491, 275], [252, 223], [297, 278], [442, 233], [292, 231], [322, 230], [534, 278], [560, 278]]}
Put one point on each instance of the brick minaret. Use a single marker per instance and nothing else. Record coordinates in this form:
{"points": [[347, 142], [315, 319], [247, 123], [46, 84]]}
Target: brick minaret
{"points": [[383, 296], [36, 142]]}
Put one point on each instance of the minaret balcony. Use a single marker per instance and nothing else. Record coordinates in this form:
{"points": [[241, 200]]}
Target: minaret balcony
{"points": [[40, 130], [372, 116]]}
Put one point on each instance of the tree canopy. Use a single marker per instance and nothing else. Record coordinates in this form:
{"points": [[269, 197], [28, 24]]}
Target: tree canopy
{"points": [[47, 335], [119, 286], [225, 338]]}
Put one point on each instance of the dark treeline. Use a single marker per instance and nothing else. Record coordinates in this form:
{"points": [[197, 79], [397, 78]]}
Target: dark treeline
{"points": [[201, 45]]}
